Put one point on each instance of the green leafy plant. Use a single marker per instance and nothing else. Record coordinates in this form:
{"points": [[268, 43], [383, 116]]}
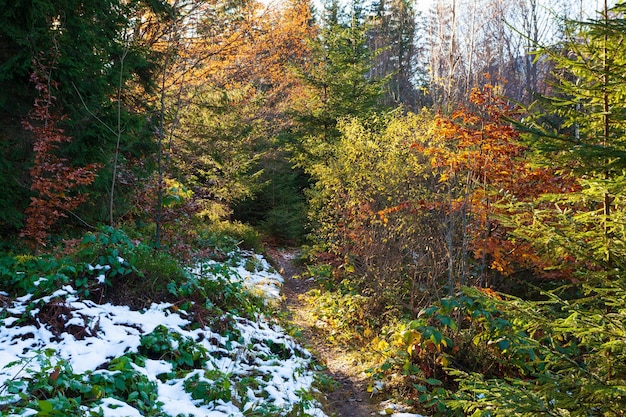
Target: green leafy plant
{"points": [[213, 385], [108, 246], [130, 386], [183, 352], [211, 295], [488, 354], [48, 385], [133, 272], [42, 274]]}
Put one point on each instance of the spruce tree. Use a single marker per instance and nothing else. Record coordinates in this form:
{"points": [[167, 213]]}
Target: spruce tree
{"points": [[340, 79], [96, 56], [580, 126]]}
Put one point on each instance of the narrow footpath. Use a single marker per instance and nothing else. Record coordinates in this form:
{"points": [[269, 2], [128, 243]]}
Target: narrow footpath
{"points": [[350, 397]]}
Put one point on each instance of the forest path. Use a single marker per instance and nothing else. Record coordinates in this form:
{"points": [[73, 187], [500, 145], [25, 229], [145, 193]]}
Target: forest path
{"points": [[350, 397]]}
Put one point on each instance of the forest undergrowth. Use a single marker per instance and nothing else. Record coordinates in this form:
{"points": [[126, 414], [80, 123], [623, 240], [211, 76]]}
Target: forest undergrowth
{"points": [[459, 197], [478, 352], [107, 327], [345, 387], [331, 327]]}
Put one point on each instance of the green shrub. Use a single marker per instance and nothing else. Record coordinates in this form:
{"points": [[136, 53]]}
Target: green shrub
{"points": [[212, 386], [488, 354], [107, 246], [243, 235], [286, 222], [53, 389], [211, 296], [135, 274], [182, 352], [156, 269], [42, 274]]}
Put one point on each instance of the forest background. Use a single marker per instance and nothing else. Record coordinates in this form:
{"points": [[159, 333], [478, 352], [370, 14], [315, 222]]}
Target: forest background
{"points": [[456, 176]]}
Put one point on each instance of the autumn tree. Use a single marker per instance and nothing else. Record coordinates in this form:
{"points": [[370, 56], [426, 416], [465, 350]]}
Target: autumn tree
{"points": [[364, 209], [227, 96], [482, 167], [55, 183], [419, 204]]}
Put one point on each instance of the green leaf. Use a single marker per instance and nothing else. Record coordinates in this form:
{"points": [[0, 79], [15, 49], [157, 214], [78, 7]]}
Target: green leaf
{"points": [[420, 388], [448, 322], [45, 406], [433, 381], [120, 384], [504, 344], [436, 337]]}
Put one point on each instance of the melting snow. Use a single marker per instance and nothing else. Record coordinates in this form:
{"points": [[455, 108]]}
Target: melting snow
{"points": [[113, 331]]}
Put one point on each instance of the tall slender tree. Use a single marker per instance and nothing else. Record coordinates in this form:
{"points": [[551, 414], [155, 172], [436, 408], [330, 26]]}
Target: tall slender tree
{"points": [[472, 43], [394, 35], [340, 81], [587, 132]]}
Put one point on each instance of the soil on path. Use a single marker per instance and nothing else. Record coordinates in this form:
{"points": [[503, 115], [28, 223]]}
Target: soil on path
{"points": [[350, 397]]}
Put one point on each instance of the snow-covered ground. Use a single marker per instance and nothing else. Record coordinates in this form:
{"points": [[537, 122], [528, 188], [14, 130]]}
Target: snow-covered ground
{"points": [[125, 363], [255, 369], [253, 270]]}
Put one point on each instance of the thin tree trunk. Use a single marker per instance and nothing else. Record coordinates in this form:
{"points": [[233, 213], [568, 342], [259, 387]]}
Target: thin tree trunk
{"points": [[161, 134], [470, 59], [118, 138], [451, 60], [606, 132]]}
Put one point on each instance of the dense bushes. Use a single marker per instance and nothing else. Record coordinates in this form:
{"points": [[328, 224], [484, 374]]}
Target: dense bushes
{"points": [[362, 204], [409, 215], [489, 354]]}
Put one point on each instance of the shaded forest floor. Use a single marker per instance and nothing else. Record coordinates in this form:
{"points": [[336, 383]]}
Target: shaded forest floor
{"points": [[346, 389]]}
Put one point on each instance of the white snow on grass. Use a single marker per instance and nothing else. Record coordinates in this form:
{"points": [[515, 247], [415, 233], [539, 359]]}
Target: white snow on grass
{"points": [[254, 367], [392, 409], [253, 271]]}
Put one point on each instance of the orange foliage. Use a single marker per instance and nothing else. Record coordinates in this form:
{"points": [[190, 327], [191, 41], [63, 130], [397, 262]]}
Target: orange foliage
{"points": [[262, 50], [53, 181], [482, 152], [233, 45]]}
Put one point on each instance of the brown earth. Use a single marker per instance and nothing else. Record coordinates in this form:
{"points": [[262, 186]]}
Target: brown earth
{"points": [[349, 397]]}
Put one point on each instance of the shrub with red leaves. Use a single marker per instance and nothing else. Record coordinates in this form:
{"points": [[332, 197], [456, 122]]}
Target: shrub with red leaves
{"points": [[54, 181]]}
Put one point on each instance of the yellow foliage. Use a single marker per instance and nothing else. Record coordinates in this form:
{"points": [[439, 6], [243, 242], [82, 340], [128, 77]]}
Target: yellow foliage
{"points": [[379, 345], [175, 192]]}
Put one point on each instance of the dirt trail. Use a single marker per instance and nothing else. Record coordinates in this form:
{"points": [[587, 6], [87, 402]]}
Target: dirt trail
{"points": [[350, 398]]}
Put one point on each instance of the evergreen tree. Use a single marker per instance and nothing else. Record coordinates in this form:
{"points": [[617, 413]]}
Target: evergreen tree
{"points": [[93, 52], [585, 132], [394, 32], [340, 78], [588, 89]]}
